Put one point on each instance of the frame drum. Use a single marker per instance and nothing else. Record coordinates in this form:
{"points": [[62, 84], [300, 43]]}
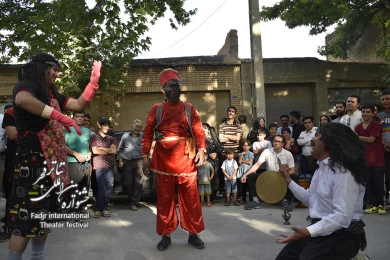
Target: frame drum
{"points": [[271, 187]]}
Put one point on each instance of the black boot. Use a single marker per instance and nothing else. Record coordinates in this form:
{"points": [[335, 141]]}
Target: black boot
{"points": [[164, 243], [195, 241]]}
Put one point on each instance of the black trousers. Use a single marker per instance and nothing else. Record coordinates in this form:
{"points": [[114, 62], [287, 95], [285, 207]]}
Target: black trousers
{"points": [[133, 179], [79, 173], [387, 174], [336, 246], [245, 189], [375, 189]]}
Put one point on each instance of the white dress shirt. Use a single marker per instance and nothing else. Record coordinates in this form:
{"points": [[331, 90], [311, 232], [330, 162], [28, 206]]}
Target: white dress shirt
{"points": [[271, 158], [334, 197], [353, 120], [304, 140]]}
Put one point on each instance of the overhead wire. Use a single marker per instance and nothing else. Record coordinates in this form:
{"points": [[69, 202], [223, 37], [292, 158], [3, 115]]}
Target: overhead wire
{"points": [[191, 31]]}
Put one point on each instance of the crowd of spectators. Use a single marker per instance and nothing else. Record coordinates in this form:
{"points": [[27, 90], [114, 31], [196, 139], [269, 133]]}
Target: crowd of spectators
{"points": [[236, 155]]}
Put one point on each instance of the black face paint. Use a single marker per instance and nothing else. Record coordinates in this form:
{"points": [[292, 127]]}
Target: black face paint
{"points": [[172, 92], [173, 95]]}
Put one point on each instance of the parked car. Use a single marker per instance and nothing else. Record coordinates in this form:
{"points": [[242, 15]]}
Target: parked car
{"points": [[149, 183]]}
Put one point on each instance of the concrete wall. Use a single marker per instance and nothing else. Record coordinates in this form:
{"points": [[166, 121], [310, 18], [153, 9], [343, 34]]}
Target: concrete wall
{"points": [[323, 75]]}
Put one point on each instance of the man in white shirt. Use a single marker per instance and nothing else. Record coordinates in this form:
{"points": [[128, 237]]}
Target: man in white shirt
{"points": [[334, 198], [304, 140], [270, 156], [354, 115]]}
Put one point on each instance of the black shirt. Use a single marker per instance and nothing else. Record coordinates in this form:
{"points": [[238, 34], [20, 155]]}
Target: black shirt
{"points": [[26, 122], [298, 128]]}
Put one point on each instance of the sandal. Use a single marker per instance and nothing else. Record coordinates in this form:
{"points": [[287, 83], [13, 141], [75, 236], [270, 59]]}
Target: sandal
{"points": [[106, 214], [97, 214]]}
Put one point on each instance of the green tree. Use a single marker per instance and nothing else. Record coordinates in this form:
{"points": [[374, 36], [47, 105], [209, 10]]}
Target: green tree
{"points": [[350, 17], [112, 31]]}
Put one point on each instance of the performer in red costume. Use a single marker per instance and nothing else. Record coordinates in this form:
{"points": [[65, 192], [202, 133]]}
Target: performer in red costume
{"points": [[174, 161]]}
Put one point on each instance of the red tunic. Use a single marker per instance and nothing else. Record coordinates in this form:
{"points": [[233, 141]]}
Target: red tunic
{"points": [[169, 157]]}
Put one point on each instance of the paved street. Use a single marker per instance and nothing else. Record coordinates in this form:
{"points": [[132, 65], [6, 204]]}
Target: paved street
{"points": [[231, 233]]}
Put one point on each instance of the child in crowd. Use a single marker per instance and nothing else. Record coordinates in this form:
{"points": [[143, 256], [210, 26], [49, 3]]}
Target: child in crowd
{"points": [[273, 129], [245, 159], [260, 146], [229, 168], [205, 175]]}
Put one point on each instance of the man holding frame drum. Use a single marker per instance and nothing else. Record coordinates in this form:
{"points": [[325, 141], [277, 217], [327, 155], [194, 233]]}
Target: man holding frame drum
{"points": [[269, 156]]}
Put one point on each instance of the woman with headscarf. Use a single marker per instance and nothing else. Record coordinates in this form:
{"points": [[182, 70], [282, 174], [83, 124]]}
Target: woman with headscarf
{"points": [[214, 151], [259, 123]]}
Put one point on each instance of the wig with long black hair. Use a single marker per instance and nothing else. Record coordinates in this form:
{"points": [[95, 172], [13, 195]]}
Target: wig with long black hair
{"points": [[35, 72], [346, 151]]}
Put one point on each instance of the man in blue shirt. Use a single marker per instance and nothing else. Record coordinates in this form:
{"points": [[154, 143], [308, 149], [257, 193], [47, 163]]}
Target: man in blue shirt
{"points": [[130, 160]]}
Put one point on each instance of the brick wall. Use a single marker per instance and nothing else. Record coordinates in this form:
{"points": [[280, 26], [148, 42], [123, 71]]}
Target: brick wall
{"points": [[192, 78]]}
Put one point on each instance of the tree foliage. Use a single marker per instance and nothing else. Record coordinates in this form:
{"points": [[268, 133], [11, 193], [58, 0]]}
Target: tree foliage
{"points": [[350, 17], [112, 31]]}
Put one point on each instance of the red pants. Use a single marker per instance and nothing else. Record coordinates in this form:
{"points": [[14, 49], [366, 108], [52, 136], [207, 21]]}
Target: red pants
{"points": [[189, 205]]}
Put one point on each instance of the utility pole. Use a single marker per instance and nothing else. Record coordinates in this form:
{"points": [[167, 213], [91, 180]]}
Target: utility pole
{"points": [[258, 90]]}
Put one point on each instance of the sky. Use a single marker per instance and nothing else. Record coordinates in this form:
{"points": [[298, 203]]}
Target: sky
{"points": [[206, 33]]}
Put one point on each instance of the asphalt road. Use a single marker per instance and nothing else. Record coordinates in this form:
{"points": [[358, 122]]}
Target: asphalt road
{"points": [[231, 233]]}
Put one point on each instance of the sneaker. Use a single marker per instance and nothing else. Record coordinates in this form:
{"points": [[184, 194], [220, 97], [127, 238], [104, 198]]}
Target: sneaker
{"points": [[371, 210], [97, 214], [381, 210], [133, 207], [106, 214], [252, 205], [208, 204], [164, 243], [195, 241], [237, 203], [227, 203]]}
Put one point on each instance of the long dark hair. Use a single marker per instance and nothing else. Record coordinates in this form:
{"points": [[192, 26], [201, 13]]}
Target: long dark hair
{"points": [[35, 72], [213, 145], [346, 151]]}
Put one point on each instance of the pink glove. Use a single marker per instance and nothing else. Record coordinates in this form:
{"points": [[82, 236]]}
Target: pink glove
{"points": [[93, 85], [65, 121]]}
